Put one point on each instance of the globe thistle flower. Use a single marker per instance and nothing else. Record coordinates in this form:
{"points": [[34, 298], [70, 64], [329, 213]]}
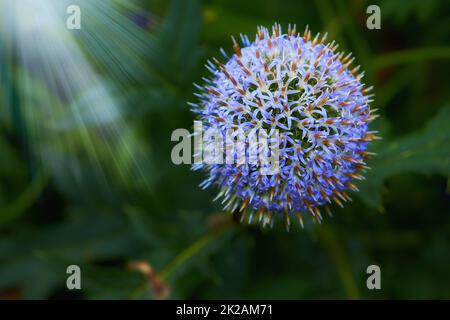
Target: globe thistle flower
{"points": [[306, 90]]}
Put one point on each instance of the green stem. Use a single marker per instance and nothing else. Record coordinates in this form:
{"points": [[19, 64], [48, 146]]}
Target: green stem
{"points": [[331, 22], [337, 254], [410, 56], [192, 250], [25, 200], [185, 255]]}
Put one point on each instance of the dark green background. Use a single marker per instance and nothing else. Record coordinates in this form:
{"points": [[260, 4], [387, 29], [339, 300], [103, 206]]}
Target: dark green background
{"points": [[58, 207]]}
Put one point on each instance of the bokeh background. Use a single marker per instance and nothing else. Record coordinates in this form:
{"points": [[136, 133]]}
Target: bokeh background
{"points": [[86, 177]]}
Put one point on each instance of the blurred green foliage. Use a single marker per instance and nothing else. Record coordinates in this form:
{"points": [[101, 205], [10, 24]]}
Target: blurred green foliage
{"points": [[101, 192]]}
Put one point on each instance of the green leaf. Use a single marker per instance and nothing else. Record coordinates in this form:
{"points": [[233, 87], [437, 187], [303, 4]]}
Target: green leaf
{"points": [[110, 282], [425, 152], [178, 37], [36, 260]]}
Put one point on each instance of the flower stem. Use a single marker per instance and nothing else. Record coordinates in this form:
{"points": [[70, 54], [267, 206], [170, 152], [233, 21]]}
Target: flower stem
{"points": [[192, 250], [410, 55], [183, 257], [25, 200], [337, 255]]}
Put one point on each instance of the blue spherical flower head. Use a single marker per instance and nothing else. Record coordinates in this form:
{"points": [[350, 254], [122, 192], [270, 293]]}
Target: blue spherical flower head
{"points": [[309, 93]]}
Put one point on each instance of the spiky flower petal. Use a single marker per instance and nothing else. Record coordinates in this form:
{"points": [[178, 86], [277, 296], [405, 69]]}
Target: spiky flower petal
{"points": [[302, 87]]}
